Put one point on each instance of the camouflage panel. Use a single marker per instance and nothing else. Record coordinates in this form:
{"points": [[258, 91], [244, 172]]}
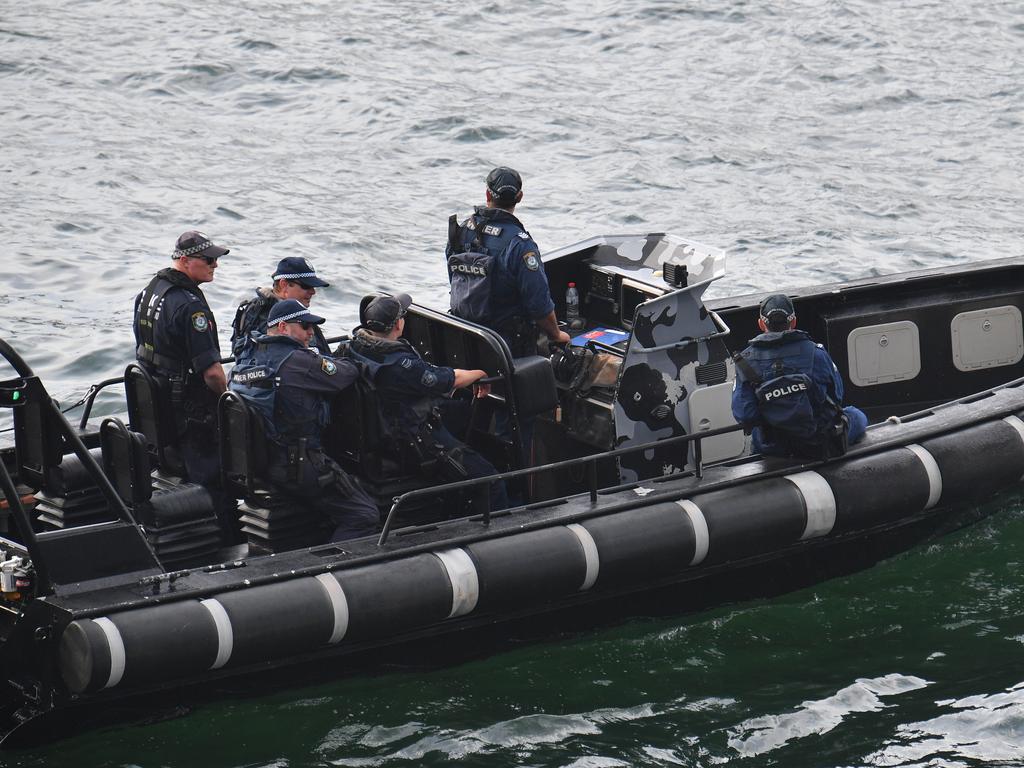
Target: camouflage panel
{"points": [[651, 401]]}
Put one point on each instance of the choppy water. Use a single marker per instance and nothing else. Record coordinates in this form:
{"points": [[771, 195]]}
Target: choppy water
{"points": [[814, 140]]}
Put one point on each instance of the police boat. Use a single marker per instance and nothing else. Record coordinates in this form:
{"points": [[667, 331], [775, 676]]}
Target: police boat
{"points": [[640, 485]]}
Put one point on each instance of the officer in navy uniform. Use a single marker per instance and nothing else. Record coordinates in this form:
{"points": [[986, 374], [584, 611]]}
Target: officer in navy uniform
{"points": [[409, 390], [176, 342], [813, 422], [294, 278], [494, 266], [291, 386]]}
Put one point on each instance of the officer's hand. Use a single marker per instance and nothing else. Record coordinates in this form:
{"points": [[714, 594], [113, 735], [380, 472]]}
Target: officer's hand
{"points": [[561, 338], [481, 389]]}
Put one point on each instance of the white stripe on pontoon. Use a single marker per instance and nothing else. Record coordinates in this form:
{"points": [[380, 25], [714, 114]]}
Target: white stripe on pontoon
{"points": [[701, 537], [589, 552], [1017, 424], [931, 467], [339, 603], [225, 635], [464, 579], [820, 503], [116, 645]]}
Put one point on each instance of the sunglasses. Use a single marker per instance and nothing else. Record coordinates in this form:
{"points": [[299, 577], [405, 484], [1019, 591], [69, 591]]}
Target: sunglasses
{"points": [[305, 326], [211, 260]]}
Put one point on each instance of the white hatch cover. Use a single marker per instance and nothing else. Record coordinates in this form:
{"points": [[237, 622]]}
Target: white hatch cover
{"points": [[880, 354], [987, 338]]}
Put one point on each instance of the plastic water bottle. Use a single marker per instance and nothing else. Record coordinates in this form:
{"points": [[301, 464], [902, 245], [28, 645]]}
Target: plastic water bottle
{"points": [[572, 307]]}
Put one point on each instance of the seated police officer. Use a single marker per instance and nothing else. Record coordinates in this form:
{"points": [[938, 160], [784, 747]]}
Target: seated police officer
{"points": [[294, 278], [176, 342], [291, 386], [497, 278], [789, 392], [408, 390]]}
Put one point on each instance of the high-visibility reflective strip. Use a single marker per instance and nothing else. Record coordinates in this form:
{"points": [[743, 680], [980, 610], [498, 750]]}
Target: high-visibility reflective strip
{"points": [[339, 604], [931, 467], [225, 635], [589, 552], [820, 503], [1017, 424], [116, 645], [701, 537], [463, 576]]}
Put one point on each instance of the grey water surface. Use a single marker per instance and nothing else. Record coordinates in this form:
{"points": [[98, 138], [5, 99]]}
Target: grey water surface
{"points": [[815, 141]]}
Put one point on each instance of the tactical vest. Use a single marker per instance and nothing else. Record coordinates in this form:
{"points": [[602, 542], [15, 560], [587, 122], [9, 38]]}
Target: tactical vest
{"points": [[255, 377], [795, 409], [476, 252], [403, 418], [150, 305], [247, 320]]}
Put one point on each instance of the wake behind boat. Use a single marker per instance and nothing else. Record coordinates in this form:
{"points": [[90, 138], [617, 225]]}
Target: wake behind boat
{"points": [[115, 587]]}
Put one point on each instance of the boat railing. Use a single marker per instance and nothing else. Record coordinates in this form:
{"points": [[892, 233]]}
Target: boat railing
{"points": [[590, 462]]}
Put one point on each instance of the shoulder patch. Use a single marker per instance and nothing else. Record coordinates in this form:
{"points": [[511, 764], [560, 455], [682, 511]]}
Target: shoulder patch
{"points": [[200, 321], [328, 366], [532, 262], [406, 362], [524, 235], [428, 379]]}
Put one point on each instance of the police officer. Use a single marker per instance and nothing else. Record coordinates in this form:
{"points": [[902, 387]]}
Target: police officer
{"points": [[789, 392], [409, 389], [291, 386], [176, 341], [497, 278], [294, 278]]}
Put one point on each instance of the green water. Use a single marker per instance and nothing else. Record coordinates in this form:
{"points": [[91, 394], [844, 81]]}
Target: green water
{"points": [[912, 662]]}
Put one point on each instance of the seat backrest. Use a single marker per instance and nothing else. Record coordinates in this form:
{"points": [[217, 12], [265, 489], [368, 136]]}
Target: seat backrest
{"points": [[150, 412], [38, 443], [243, 445], [126, 461]]}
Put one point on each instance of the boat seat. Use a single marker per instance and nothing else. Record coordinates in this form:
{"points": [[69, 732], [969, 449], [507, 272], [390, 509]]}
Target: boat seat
{"points": [[271, 521], [178, 519], [150, 413]]}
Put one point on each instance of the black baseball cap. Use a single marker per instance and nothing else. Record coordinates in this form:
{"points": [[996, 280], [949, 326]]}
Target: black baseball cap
{"points": [[291, 311], [505, 184], [380, 313], [777, 311], [298, 270], [194, 243]]}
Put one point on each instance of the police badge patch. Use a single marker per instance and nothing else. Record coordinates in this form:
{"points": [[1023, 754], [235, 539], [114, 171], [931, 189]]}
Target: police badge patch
{"points": [[428, 379], [328, 366], [200, 321], [532, 262]]}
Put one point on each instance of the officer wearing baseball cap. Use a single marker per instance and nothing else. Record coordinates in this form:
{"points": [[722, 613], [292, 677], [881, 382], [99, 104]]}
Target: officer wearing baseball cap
{"points": [[789, 393], [293, 278], [291, 386], [411, 391], [176, 342], [495, 270]]}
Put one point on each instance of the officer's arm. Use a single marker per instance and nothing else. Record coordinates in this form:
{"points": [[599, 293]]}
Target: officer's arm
{"points": [[744, 405], [826, 373], [549, 324], [215, 378]]}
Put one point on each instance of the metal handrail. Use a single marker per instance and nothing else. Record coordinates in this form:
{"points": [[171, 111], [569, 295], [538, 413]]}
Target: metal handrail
{"points": [[589, 461]]}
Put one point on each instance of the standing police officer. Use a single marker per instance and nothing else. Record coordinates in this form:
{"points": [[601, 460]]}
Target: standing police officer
{"points": [[790, 393], [409, 388], [291, 386], [294, 278], [497, 278], [176, 338]]}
